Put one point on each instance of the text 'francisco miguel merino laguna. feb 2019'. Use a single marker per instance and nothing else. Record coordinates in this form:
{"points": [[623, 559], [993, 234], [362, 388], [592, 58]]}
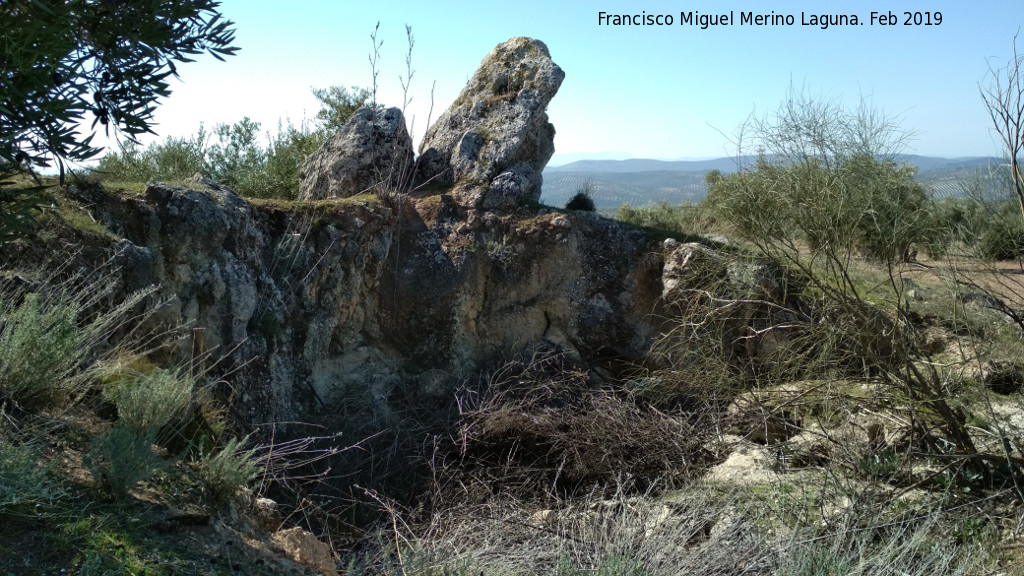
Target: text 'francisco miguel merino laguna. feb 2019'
{"points": [[732, 18]]}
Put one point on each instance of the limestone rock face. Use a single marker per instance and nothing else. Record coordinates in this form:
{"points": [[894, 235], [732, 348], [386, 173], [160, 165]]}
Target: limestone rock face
{"points": [[470, 286], [495, 140], [285, 302], [373, 149], [315, 308]]}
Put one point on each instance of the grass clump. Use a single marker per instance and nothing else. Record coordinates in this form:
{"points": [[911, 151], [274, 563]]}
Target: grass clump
{"points": [[120, 459], [53, 332], [582, 200], [227, 470], [153, 400], [25, 484], [41, 346]]}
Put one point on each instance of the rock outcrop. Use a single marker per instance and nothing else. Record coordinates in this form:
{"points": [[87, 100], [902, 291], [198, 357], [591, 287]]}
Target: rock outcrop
{"points": [[308, 306], [495, 140], [372, 150], [311, 306]]}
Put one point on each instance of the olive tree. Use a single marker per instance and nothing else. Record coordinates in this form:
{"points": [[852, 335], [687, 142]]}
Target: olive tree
{"points": [[64, 63], [338, 104]]}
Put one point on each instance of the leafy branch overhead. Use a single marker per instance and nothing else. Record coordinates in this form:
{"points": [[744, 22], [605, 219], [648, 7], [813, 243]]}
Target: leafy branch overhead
{"points": [[64, 63]]}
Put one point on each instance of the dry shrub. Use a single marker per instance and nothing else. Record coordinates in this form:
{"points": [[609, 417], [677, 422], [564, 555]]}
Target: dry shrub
{"points": [[721, 340], [542, 429], [619, 533]]}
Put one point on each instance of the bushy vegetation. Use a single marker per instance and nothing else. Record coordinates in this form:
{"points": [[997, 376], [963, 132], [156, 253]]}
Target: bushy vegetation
{"points": [[862, 204], [228, 469], [810, 323], [233, 157], [238, 155], [681, 222], [24, 484], [582, 199], [87, 421], [47, 343], [150, 401], [121, 458], [175, 159], [40, 348]]}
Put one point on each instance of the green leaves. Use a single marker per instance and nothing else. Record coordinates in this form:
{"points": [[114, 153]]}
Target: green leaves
{"points": [[861, 205], [65, 62], [40, 345], [337, 104]]}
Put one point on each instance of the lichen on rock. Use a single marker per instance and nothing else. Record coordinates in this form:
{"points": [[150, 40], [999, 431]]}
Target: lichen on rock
{"points": [[372, 151], [496, 139]]}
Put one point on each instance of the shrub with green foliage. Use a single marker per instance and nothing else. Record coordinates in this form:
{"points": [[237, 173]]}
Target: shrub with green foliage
{"points": [[235, 159], [954, 221], [278, 177], [40, 347], [174, 159], [681, 221], [860, 205], [152, 400], [234, 156], [338, 104], [228, 469], [48, 344], [24, 484], [991, 229], [120, 459], [1003, 236]]}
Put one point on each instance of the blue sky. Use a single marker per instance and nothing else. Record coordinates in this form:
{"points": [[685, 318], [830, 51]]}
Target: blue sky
{"points": [[647, 92]]}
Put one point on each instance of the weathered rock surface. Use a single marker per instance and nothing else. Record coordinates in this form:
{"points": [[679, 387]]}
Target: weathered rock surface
{"points": [[304, 548], [691, 266], [312, 305], [495, 140], [372, 151], [309, 311]]}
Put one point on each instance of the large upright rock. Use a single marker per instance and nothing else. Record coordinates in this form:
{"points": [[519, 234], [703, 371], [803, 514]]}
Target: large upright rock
{"points": [[371, 150], [495, 139]]}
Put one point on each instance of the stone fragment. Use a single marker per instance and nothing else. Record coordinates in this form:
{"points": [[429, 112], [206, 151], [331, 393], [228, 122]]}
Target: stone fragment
{"points": [[689, 266], [304, 548]]}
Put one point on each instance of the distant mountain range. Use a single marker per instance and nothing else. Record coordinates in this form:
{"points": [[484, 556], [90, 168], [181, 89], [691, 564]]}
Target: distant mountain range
{"points": [[642, 165], [640, 181]]}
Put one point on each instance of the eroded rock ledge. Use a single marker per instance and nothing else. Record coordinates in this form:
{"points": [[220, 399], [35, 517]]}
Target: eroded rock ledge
{"points": [[309, 302]]}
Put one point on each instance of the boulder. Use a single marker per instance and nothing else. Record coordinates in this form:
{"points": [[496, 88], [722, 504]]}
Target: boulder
{"points": [[495, 140], [304, 548], [691, 266], [372, 150]]}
